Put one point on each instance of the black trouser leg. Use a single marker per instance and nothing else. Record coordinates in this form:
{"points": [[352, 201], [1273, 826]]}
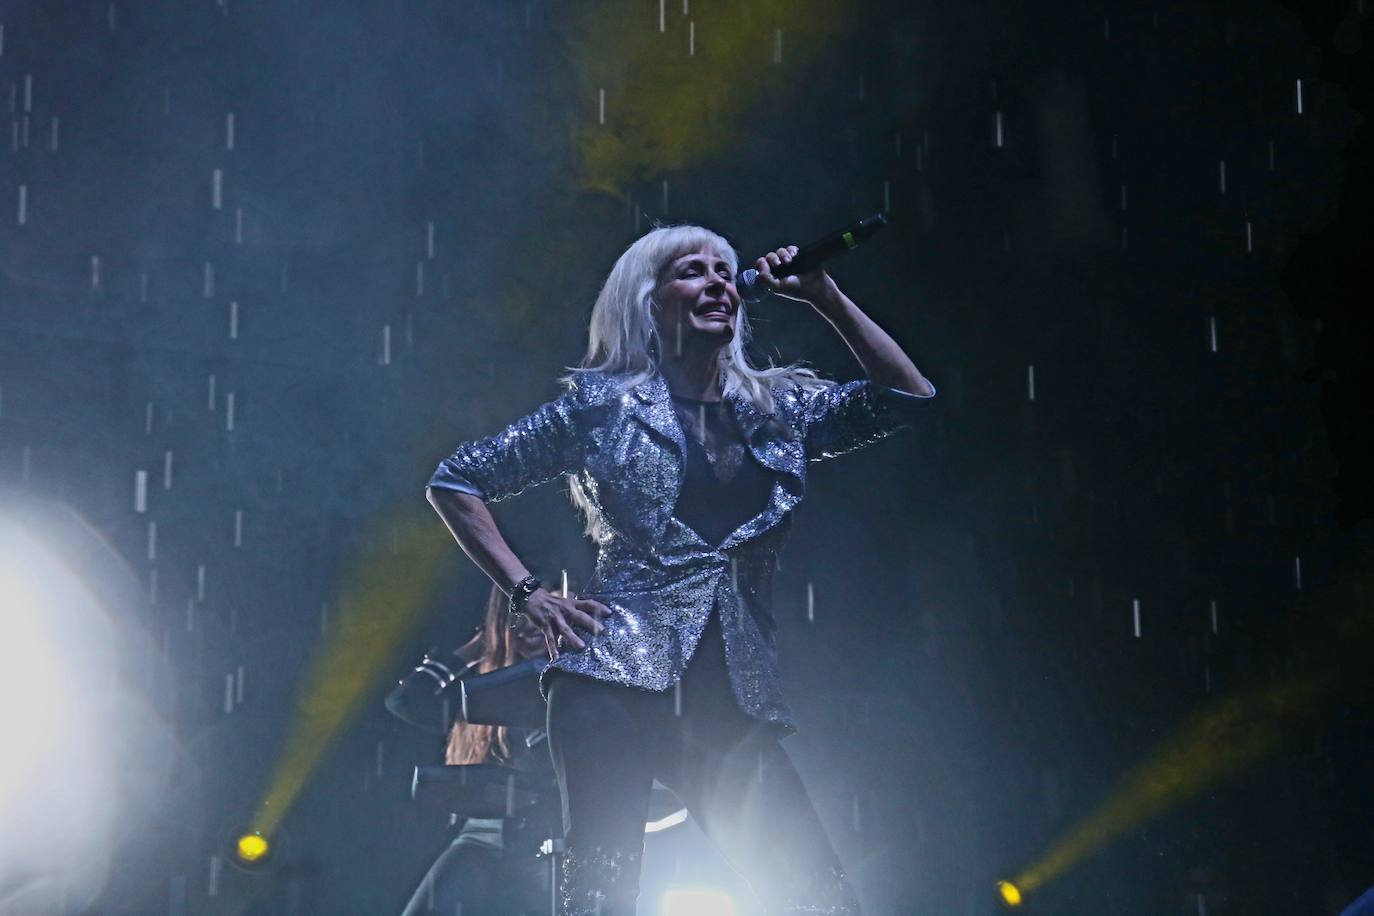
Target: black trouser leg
{"points": [[608, 744], [741, 787], [750, 801], [604, 755]]}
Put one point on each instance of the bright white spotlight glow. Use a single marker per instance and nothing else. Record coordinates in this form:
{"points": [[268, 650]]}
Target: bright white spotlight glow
{"points": [[35, 702], [56, 800], [697, 901]]}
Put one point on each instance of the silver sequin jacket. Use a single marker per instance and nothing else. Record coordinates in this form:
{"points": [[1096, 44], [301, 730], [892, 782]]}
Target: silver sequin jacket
{"points": [[623, 452]]}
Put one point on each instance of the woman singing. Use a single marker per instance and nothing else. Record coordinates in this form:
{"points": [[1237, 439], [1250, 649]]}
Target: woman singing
{"points": [[687, 462]]}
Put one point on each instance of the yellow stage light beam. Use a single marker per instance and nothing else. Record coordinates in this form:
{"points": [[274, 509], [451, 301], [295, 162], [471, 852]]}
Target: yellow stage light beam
{"points": [[1010, 893], [666, 111], [654, 101], [1218, 743], [379, 605], [1231, 734]]}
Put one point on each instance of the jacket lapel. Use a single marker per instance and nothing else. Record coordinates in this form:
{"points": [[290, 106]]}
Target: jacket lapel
{"points": [[653, 407], [754, 426], [656, 410], [778, 454]]}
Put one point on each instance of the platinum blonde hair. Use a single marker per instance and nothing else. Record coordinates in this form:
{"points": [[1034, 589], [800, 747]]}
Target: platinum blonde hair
{"points": [[623, 340]]}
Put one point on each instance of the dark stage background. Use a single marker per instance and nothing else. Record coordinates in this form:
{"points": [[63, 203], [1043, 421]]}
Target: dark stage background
{"points": [[264, 262]]}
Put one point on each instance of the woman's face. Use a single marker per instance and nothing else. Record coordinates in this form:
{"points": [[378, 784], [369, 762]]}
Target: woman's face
{"points": [[696, 302], [526, 639]]}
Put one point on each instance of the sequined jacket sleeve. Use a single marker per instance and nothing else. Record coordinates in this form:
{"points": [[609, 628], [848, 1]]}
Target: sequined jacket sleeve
{"points": [[545, 444], [840, 418]]}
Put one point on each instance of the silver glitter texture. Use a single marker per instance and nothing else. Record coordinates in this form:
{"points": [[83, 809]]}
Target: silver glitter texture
{"points": [[623, 451], [599, 882]]}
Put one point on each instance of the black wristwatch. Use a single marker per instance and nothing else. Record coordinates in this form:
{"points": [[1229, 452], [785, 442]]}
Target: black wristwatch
{"points": [[519, 595]]}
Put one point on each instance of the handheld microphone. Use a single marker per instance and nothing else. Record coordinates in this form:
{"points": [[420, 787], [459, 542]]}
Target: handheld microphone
{"points": [[809, 257]]}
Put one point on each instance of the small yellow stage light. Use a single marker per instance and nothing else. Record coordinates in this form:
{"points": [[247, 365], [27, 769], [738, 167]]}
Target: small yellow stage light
{"points": [[1010, 893], [251, 848]]}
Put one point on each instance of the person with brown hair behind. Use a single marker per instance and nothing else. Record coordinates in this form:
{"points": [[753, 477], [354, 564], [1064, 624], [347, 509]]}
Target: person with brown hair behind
{"points": [[490, 868]]}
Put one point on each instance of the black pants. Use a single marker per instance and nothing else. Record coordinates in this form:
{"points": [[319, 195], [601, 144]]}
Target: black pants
{"points": [[610, 742]]}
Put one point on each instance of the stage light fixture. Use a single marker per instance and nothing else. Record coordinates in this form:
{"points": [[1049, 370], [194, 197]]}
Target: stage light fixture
{"points": [[252, 848], [1009, 893]]}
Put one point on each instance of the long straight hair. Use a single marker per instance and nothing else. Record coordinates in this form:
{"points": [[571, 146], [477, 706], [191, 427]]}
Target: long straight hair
{"points": [[622, 339], [469, 743]]}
